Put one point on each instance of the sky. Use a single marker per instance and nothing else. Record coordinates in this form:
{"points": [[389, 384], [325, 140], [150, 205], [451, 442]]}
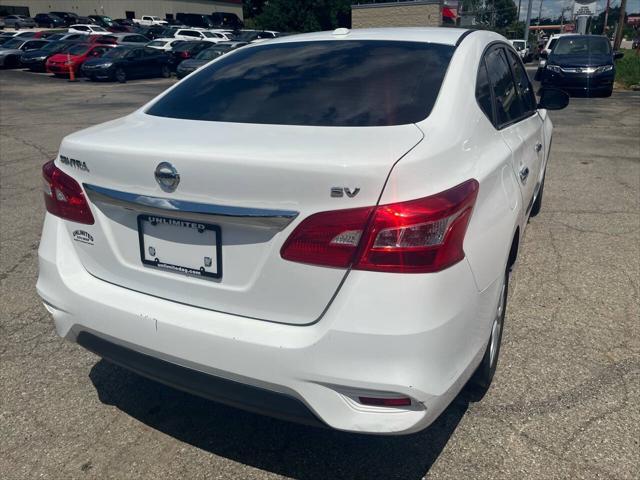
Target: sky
{"points": [[552, 8]]}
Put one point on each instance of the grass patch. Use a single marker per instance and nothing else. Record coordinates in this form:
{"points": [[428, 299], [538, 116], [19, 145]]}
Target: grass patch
{"points": [[628, 68]]}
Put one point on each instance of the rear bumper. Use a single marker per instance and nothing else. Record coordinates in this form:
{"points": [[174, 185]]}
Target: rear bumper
{"points": [[372, 341]]}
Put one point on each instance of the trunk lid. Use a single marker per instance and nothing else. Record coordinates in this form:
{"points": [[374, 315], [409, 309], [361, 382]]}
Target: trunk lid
{"points": [[238, 168]]}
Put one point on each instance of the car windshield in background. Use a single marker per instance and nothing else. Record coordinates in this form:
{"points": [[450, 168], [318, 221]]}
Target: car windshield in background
{"points": [[181, 47], [79, 49], [323, 83], [209, 35], [52, 46], [13, 43], [56, 36], [583, 46], [157, 43], [117, 52], [246, 36], [211, 53]]}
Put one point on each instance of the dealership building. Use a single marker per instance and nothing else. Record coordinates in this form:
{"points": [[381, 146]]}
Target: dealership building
{"points": [[121, 8]]}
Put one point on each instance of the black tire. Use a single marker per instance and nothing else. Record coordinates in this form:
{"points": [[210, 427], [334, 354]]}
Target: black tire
{"points": [[607, 93], [537, 205], [120, 75], [165, 71], [483, 376]]}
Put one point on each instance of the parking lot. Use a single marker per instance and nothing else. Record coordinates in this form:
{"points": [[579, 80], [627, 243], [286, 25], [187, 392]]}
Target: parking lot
{"points": [[564, 403]]}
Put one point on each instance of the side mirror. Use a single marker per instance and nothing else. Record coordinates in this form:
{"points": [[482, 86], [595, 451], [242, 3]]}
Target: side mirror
{"points": [[618, 55], [544, 54], [553, 99]]}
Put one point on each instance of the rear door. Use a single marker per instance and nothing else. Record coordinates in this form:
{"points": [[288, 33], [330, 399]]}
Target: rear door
{"points": [[517, 119]]}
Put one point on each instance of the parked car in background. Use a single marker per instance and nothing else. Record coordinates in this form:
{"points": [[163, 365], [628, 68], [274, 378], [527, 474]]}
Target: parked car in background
{"points": [[185, 50], [199, 34], [226, 20], [19, 21], [147, 20], [69, 17], [122, 38], [522, 49], [74, 57], [47, 34], [582, 65], [35, 60], [195, 20], [256, 36], [108, 23], [49, 20], [88, 29], [124, 22], [189, 65], [124, 63], [151, 32], [12, 50], [164, 44], [2, 24], [68, 37]]}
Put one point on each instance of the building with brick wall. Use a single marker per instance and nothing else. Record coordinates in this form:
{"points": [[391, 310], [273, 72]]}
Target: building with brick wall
{"points": [[417, 13]]}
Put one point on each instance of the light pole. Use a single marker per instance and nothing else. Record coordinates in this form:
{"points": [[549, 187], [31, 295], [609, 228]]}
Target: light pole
{"points": [[527, 23]]}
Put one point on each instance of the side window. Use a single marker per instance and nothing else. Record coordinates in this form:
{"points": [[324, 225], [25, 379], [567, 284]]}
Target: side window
{"points": [[507, 101], [483, 92], [523, 84]]}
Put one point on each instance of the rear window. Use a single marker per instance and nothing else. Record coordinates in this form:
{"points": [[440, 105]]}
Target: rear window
{"points": [[325, 83], [583, 46]]}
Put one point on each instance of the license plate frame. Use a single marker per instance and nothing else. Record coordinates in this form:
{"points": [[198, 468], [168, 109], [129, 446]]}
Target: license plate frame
{"points": [[181, 269]]}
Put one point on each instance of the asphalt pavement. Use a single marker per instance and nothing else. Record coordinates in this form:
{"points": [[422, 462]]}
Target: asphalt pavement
{"points": [[564, 403]]}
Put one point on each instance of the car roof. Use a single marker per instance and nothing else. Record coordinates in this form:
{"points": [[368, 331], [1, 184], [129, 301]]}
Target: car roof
{"points": [[446, 36]]}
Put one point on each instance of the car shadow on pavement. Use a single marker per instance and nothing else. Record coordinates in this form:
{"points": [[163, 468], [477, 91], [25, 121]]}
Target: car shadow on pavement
{"points": [[276, 446]]}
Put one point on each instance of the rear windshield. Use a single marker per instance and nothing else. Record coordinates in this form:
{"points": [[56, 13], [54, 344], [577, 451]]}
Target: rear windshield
{"points": [[583, 46], [326, 83], [117, 52], [78, 49]]}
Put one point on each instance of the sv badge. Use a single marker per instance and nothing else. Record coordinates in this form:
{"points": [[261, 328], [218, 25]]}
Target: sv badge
{"points": [[338, 192]]}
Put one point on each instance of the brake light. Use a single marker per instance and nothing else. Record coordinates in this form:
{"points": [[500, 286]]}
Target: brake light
{"points": [[63, 196], [418, 236]]}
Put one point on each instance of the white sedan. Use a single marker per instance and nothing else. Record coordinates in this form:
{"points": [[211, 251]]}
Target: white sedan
{"points": [[319, 228], [88, 29], [164, 44]]}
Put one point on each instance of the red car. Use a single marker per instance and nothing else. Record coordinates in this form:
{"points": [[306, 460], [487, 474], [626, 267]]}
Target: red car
{"points": [[59, 63]]}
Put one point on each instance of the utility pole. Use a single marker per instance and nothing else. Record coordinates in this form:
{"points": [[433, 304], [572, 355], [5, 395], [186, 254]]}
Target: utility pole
{"points": [[518, 17], [606, 18], [540, 12], [527, 23], [618, 40]]}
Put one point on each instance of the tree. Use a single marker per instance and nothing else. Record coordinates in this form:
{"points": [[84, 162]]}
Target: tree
{"points": [[305, 15]]}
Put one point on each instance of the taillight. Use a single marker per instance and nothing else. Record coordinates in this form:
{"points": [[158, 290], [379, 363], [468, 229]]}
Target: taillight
{"points": [[185, 54], [63, 196], [327, 238], [418, 236]]}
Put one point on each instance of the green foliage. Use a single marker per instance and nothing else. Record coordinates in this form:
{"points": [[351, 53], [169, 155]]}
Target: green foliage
{"points": [[628, 68], [497, 15], [304, 15]]}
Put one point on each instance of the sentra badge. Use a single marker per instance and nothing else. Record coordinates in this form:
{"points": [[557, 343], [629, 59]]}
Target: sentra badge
{"points": [[72, 162]]}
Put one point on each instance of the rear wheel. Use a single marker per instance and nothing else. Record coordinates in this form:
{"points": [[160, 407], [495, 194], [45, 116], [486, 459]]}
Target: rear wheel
{"points": [[165, 71], [120, 75], [483, 376]]}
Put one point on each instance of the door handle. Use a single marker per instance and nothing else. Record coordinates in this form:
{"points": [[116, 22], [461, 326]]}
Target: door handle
{"points": [[524, 174], [538, 147]]}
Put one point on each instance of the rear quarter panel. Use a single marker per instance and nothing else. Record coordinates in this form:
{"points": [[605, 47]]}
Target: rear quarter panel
{"points": [[461, 143]]}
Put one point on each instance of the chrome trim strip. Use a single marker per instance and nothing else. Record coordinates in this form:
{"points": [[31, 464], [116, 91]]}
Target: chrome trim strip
{"points": [[204, 212]]}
